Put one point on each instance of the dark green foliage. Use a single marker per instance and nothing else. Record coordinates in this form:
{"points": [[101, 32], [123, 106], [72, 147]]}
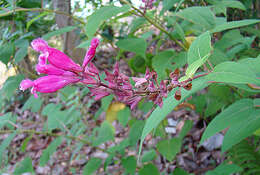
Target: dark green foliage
{"points": [[247, 156]]}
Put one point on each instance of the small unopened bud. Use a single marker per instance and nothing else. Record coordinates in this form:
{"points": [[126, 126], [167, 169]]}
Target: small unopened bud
{"points": [[188, 86], [177, 95], [175, 75]]}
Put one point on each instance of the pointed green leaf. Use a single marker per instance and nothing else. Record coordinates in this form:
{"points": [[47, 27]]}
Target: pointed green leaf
{"points": [[234, 114], [168, 105], [136, 45], [58, 32], [5, 143], [149, 169], [129, 164], [25, 166], [92, 165], [169, 148], [234, 24], [232, 72], [198, 53], [241, 130], [46, 154], [33, 103], [105, 133], [201, 16], [101, 15]]}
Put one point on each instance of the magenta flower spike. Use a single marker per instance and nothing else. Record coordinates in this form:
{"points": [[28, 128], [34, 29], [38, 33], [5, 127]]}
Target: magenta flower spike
{"points": [[55, 57], [91, 52]]}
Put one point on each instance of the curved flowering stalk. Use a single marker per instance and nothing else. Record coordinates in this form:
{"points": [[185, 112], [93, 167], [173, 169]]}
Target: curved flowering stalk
{"points": [[62, 71]]}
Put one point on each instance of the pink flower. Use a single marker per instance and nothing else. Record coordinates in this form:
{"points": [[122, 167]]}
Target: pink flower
{"points": [[91, 52], [55, 57], [47, 84]]}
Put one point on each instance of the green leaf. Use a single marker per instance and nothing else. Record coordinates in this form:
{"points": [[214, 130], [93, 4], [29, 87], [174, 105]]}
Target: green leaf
{"points": [[136, 24], [169, 104], [225, 169], [136, 45], [22, 52], [106, 101], [29, 23], [135, 132], [25, 166], [5, 143], [241, 130], [180, 171], [56, 117], [198, 53], [163, 61], [169, 148], [129, 164], [201, 16], [46, 154], [7, 120], [6, 52], [149, 169], [232, 72], [149, 156], [58, 32], [234, 24], [123, 116], [11, 85], [92, 165], [234, 114], [186, 128], [33, 103], [25, 142], [105, 133], [221, 6], [199, 48], [101, 15], [168, 4]]}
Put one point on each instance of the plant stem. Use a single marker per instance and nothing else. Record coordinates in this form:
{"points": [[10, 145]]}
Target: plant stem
{"points": [[40, 10], [158, 26]]}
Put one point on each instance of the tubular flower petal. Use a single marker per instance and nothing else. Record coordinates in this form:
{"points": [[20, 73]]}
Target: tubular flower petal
{"points": [[52, 70], [47, 84], [40, 45], [52, 83], [25, 84], [91, 52], [62, 61]]}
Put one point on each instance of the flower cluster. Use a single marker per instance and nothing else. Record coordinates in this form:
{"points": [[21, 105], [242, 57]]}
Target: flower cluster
{"points": [[62, 71]]}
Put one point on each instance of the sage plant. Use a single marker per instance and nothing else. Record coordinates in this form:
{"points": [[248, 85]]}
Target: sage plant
{"points": [[61, 71]]}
